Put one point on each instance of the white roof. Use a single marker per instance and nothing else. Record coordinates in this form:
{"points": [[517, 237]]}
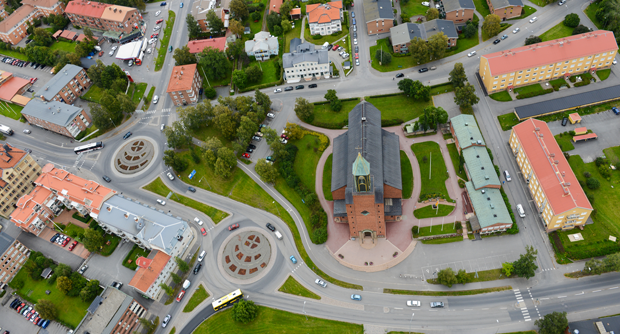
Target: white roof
{"points": [[129, 50]]}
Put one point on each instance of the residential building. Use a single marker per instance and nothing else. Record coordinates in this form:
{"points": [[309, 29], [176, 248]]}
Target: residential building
{"points": [[112, 312], [119, 23], [506, 9], [3, 12], [561, 202], [546, 61], [64, 119], [184, 84], [379, 16], [480, 169], [491, 213], [18, 169], [465, 132], [263, 46], [13, 27], [66, 86], [196, 46], [325, 19], [366, 177], [458, 11], [36, 210], [202, 7], [14, 255], [11, 88], [274, 5], [305, 63], [402, 34]]}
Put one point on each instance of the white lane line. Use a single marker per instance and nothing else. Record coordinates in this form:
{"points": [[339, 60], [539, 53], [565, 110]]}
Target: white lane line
{"points": [[615, 287], [579, 294], [468, 309], [596, 291], [543, 298], [398, 308], [562, 297]]}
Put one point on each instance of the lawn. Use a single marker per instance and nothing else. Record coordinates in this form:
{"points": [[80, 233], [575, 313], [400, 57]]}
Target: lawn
{"points": [[463, 44], [446, 293], [406, 172], [436, 229], [483, 276], [398, 107], [323, 115], [413, 8], [565, 142], [269, 71], [442, 89], [432, 170], [274, 321], [502, 96], [14, 54], [108, 249], [295, 32], [397, 63], [503, 26], [158, 187], [581, 111], [94, 94], [11, 110], [135, 253], [443, 240], [163, 47], [429, 212], [138, 91], [591, 12], [482, 7], [327, 178], [149, 98], [527, 11], [63, 46], [558, 82], [225, 81], [307, 159], [507, 121], [329, 38], [74, 231], [198, 297], [256, 27], [455, 157], [528, 89], [558, 31], [71, 310], [291, 286], [603, 74]]}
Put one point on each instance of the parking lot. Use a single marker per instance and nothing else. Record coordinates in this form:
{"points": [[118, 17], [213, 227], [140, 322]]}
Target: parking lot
{"points": [[470, 266], [11, 321], [110, 268]]}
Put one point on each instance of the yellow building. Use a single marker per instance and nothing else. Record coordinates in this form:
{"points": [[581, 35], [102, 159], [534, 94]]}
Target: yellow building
{"points": [[19, 170], [546, 61], [561, 202]]}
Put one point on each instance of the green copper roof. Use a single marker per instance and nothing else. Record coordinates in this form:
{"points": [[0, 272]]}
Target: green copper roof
{"points": [[361, 166]]}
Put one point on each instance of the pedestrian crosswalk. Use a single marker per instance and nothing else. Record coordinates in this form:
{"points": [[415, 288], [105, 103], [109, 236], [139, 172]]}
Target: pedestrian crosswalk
{"points": [[524, 311]]}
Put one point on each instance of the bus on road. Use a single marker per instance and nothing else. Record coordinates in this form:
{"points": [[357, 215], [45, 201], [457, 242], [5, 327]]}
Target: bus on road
{"points": [[227, 300], [6, 130], [88, 147]]}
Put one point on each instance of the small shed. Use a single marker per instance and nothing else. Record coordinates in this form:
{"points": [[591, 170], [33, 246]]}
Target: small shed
{"points": [[347, 65], [585, 137], [47, 272], [295, 14], [81, 37], [581, 131], [574, 118], [56, 34]]}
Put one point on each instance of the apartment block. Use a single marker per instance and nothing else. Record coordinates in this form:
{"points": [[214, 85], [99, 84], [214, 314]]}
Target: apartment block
{"points": [[13, 27], [66, 86], [103, 17], [184, 84], [465, 132], [113, 312], [14, 255], [304, 62], [506, 9], [459, 11], [64, 119], [546, 61], [402, 34], [325, 19], [46, 7], [19, 170], [560, 201], [378, 16]]}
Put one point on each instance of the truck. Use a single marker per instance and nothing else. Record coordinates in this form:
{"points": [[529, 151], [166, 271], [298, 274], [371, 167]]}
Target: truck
{"points": [[6, 130]]}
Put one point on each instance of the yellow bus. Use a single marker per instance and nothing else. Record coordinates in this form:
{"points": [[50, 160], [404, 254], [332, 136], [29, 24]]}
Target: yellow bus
{"points": [[227, 300]]}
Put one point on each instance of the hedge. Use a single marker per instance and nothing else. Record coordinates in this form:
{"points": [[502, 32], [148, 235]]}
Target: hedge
{"points": [[391, 122], [252, 88], [584, 82], [341, 100], [331, 125], [514, 229], [536, 93]]}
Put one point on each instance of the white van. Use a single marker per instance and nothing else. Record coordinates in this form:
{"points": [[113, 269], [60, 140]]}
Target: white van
{"points": [[98, 48], [202, 256], [520, 211], [278, 235], [186, 284]]}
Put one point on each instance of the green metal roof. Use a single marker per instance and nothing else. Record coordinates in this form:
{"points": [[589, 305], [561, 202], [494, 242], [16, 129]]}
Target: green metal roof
{"points": [[466, 130], [480, 167], [361, 166], [489, 205]]}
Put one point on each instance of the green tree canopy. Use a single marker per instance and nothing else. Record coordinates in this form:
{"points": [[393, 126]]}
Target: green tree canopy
{"points": [[419, 50], [383, 57], [553, 323], [183, 266], [431, 14], [491, 25], [244, 311], [446, 277], [304, 109], [93, 240], [46, 309], [267, 172], [465, 96], [182, 56], [526, 266], [458, 76], [572, 20], [214, 22], [532, 40]]}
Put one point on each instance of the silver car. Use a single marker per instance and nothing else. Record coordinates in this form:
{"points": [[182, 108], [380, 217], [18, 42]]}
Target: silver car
{"points": [[166, 321]]}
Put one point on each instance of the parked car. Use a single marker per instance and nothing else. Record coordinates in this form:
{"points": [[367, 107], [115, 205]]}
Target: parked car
{"points": [[520, 211], [271, 159], [293, 259], [533, 19], [312, 85], [192, 189], [117, 285], [33, 80], [157, 13], [283, 141], [197, 268], [246, 155], [203, 231], [256, 138], [181, 5], [299, 87], [72, 246], [320, 282], [289, 88], [161, 201], [413, 303], [277, 90], [357, 62], [198, 221], [562, 2], [252, 146], [504, 37], [356, 297], [83, 269], [162, 4], [615, 110], [436, 304], [160, 20], [564, 121], [516, 30], [233, 227], [335, 47], [426, 4], [507, 176]]}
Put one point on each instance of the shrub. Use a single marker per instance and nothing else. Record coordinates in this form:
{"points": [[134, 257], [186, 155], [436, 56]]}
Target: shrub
{"points": [[210, 93], [317, 36], [461, 183], [600, 161], [593, 183], [536, 93], [604, 171], [458, 226], [571, 132], [415, 231], [587, 174]]}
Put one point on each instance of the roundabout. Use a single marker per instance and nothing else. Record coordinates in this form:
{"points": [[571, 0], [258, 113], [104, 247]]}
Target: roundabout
{"points": [[134, 157]]}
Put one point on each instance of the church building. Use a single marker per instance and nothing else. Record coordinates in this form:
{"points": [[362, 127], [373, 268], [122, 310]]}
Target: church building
{"points": [[366, 178]]}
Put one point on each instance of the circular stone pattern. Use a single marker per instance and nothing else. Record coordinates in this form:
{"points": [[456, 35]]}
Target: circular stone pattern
{"points": [[246, 255], [134, 156]]}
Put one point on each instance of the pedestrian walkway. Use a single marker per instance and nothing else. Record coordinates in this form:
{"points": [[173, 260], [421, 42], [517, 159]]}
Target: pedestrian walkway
{"points": [[521, 305]]}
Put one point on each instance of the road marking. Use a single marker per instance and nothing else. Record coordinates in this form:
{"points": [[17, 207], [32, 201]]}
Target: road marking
{"points": [[543, 298], [468, 309], [615, 287], [524, 310], [562, 297], [398, 308], [579, 294], [596, 291]]}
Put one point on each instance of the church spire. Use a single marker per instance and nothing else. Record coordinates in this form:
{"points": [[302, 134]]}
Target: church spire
{"points": [[361, 174]]}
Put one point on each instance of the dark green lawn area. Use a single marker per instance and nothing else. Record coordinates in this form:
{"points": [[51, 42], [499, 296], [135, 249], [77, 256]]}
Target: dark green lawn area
{"points": [[94, 94], [274, 321], [324, 115], [413, 8], [224, 81], [406, 173], [198, 297], [327, 178], [293, 287], [443, 240], [540, 3], [399, 107], [557, 31], [138, 91], [429, 212], [435, 181], [442, 89], [256, 27], [14, 54], [307, 159], [603, 74], [454, 155], [591, 12], [63, 46], [329, 38], [482, 7], [559, 81], [149, 98], [71, 310], [294, 33], [502, 96], [135, 253], [269, 71], [158, 187], [527, 89], [507, 121], [565, 142], [463, 44], [11, 110], [397, 63]]}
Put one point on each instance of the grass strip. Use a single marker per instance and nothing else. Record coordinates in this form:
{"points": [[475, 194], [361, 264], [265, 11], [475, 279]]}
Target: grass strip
{"points": [[291, 286], [429, 212], [327, 179], [447, 293], [149, 98], [407, 174], [198, 297], [507, 121], [432, 170], [138, 92], [443, 240], [502, 96], [456, 159], [163, 48]]}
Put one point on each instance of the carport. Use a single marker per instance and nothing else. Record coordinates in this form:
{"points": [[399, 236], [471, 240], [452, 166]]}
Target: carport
{"points": [[129, 50]]}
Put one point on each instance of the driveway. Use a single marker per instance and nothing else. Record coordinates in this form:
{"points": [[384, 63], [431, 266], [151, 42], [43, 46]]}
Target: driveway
{"points": [[110, 268], [53, 251]]}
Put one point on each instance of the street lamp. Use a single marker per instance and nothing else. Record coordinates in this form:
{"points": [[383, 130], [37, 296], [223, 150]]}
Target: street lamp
{"points": [[412, 314], [112, 121], [304, 310]]}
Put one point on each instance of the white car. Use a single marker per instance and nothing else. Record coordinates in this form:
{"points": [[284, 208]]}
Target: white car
{"points": [[437, 6], [277, 90], [170, 176], [198, 221], [155, 99], [271, 115], [614, 62], [426, 4], [320, 282], [167, 318], [516, 30], [157, 13], [161, 201], [114, 47], [355, 41], [471, 54], [357, 62], [152, 40], [414, 303], [148, 50], [520, 211], [111, 53], [533, 19], [156, 28], [283, 141]]}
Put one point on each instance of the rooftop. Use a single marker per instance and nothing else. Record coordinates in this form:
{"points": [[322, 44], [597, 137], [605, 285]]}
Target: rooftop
{"points": [[16, 17], [5, 242], [27, 203], [324, 13], [86, 8], [53, 111], [404, 33], [196, 46], [450, 5], [181, 78], [480, 167], [466, 130], [304, 52], [40, 3], [10, 156], [117, 13], [489, 205], [105, 311], [58, 82], [550, 52], [274, 5], [552, 170], [378, 9], [11, 86], [146, 276], [263, 41], [506, 3]]}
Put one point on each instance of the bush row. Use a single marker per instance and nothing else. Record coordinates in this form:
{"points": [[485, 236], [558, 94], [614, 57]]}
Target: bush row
{"points": [[341, 100], [584, 82], [514, 229], [391, 122], [536, 93], [595, 249], [252, 88], [331, 125]]}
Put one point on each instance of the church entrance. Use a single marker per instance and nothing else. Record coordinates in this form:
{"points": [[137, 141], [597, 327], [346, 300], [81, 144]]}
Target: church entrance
{"points": [[368, 238]]}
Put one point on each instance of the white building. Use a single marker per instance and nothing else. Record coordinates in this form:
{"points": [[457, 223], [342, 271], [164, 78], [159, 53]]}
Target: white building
{"points": [[325, 19], [262, 46], [305, 63]]}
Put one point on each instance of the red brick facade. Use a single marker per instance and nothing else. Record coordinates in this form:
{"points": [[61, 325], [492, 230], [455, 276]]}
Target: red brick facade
{"points": [[13, 27]]}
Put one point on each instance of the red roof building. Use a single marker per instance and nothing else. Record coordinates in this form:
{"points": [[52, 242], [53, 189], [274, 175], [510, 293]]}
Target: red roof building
{"points": [[324, 19], [196, 46], [147, 277], [561, 201], [11, 86]]}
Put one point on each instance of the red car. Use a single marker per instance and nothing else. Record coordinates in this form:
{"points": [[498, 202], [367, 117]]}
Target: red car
{"points": [[335, 47], [246, 155], [154, 35], [72, 246], [284, 136], [159, 21], [233, 227], [100, 53], [66, 241], [33, 80], [180, 296], [204, 232], [357, 56]]}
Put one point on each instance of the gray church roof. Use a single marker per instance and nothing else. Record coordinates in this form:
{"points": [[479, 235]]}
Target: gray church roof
{"points": [[404, 33], [466, 130], [58, 82], [52, 111], [506, 3], [378, 9], [480, 167], [488, 205], [450, 5], [155, 227], [304, 52]]}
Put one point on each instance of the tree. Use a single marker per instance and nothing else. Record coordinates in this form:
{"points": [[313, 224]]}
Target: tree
{"points": [[93, 240], [273, 20], [168, 290], [244, 311], [507, 268], [253, 74], [419, 50], [331, 95], [246, 129], [193, 118], [446, 277], [294, 131], [64, 284], [335, 105], [262, 100], [532, 40], [304, 109], [383, 57], [431, 117], [177, 163], [182, 56], [581, 29], [88, 33], [462, 276], [593, 183], [267, 172], [571, 20], [193, 29], [491, 25], [90, 291], [237, 48], [177, 136], [176, 278], [612, 262], [225, 162], [215, 63], [415, 89], [46, 309], [458, 76], [277, 31], [183, 266], [236, 27], [286, 7], [431, 14], [286, 25], [42, 37], [214, 22], [437, 45], [256, 16], [526, 266], [470, 30], [239, 78], [465, 96], [594, 266], [225, 121], [239, 9], [553, 323]]}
